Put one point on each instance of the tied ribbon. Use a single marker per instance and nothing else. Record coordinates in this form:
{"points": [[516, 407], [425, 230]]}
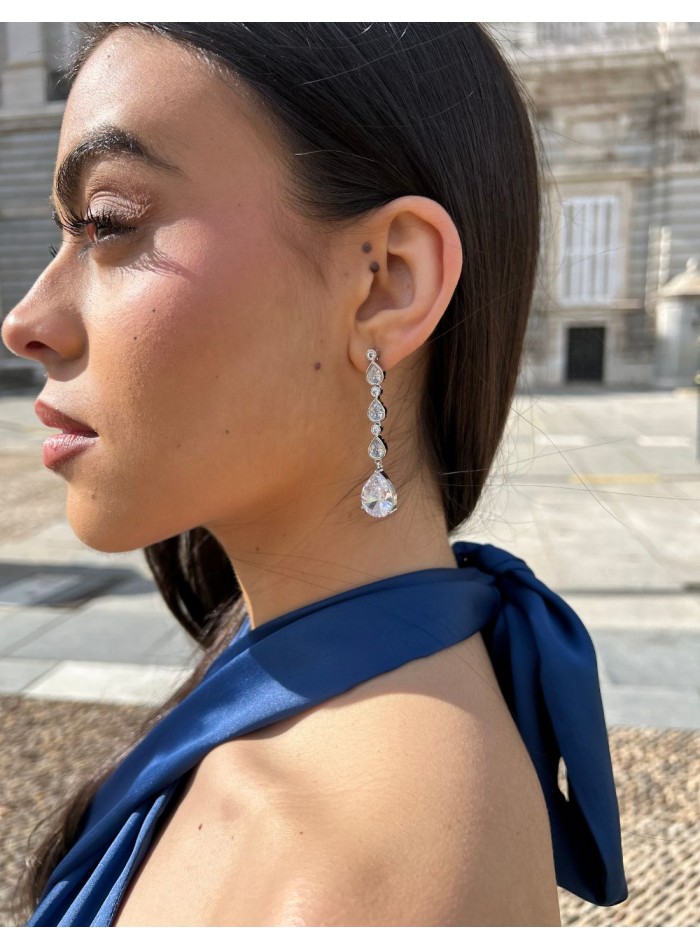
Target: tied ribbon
{"points": [[546, 666]]}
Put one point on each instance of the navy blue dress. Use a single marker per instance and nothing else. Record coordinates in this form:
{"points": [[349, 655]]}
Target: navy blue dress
{"points": [[543, 657]]}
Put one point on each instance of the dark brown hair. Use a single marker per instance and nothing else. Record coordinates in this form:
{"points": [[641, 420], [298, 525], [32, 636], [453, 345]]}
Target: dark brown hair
{"points": [[367, 113]]}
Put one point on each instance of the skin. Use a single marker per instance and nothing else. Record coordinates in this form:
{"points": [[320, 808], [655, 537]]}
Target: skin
{"points": [[219, 349]]}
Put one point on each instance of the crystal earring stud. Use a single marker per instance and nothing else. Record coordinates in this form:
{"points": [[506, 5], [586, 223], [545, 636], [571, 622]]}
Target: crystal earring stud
{"points": [[378, 497]]}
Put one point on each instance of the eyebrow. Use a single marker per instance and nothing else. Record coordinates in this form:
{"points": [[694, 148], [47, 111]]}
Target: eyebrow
{"points": [[107, 140]]}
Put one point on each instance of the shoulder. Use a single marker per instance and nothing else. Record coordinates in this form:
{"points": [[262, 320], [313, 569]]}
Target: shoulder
{"points": [[411, 795]]}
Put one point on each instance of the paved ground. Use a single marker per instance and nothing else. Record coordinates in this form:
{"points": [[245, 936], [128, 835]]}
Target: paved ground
{"points": [[598, 492]]}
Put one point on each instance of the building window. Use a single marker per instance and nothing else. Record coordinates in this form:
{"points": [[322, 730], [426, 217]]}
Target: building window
{"points": [[589, 249]]}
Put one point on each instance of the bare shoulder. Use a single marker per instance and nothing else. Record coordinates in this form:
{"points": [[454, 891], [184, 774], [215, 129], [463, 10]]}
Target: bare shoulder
{"points": [[411, 794], [409, 800]]}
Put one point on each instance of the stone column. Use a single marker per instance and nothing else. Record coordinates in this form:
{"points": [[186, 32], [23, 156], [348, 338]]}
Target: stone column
{"points": [[677, 327]]}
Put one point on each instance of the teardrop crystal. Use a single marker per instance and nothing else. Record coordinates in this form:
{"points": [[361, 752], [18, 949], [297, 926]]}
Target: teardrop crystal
{"points": [[377, 449], [376, 411], [378, 496], [374, 374]]}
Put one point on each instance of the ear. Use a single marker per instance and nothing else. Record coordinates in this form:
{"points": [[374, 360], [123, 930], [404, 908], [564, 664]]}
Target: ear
{"points": [[407, 278]]}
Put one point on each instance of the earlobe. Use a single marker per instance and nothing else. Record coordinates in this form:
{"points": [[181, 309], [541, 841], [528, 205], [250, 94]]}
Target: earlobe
{"points": [[415, 257]]}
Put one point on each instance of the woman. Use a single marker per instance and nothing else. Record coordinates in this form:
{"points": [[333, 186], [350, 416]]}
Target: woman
{"points": [[287, 315]]}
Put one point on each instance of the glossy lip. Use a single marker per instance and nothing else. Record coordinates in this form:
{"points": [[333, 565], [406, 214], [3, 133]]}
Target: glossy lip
{"points": [[50, 416], [59, 448]]}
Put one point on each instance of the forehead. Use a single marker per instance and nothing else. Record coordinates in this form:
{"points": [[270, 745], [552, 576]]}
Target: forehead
{"points": [[165, 94]]}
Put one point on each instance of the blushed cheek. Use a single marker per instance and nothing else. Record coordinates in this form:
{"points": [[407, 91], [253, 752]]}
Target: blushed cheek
{"points": [[206, 363]]}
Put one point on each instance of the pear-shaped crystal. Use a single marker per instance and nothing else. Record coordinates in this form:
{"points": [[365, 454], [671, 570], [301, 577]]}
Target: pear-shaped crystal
{"points": [[378, 496], [376, 411], [377, 449], [374, 374]]}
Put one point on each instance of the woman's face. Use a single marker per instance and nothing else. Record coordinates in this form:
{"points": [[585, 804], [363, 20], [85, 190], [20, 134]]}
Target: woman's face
{"points": [[198, 343]]}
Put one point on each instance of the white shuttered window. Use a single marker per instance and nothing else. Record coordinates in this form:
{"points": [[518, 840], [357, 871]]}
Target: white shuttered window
{"points": [[589, 249]]}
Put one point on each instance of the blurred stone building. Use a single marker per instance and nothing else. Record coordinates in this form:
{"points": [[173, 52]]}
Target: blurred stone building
{"points": [[32, 98], [618, 113], [617, 106]]}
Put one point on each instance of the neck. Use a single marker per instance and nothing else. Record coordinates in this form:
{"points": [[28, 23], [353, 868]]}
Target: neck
{"points": [[302, 552]]}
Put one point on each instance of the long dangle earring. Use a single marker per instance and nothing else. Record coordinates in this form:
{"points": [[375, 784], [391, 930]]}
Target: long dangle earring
{"points": [[378, 496]]}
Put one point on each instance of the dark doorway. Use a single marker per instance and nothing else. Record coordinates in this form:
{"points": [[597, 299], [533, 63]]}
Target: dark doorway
{"points": [[584, 354]]}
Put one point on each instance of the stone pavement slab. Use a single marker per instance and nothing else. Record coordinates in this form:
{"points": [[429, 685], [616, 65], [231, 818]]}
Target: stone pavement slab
{"points": [[651, 613], [175, 648], [671, 661], [660, 707], [96, 634], [17, 675], [19, 625], [100, 682]]}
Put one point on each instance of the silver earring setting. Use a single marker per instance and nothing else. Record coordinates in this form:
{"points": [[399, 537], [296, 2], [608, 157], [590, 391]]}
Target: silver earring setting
{"points": [[378, 496]]}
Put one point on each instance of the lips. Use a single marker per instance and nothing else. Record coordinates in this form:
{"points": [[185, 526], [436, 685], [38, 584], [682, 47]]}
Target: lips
{"points": [[58, 420]]}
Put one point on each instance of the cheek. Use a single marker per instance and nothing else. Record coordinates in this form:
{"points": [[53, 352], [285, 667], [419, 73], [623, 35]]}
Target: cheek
{"points": [[184, 310], [211, 369]]}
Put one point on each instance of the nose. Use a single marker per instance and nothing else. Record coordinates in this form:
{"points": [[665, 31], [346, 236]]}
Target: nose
{"points": [[44, 326]]}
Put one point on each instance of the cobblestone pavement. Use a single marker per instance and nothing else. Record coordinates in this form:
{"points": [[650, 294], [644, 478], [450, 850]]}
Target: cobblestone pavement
{"points": [[657, 775], [50, 746]]}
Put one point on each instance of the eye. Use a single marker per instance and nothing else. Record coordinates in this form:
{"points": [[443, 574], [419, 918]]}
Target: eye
{"points": [[103, 221], [92, 224]]}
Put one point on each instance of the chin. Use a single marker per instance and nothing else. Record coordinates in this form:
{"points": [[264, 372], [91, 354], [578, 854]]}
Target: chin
{"points": [[104, 528]]}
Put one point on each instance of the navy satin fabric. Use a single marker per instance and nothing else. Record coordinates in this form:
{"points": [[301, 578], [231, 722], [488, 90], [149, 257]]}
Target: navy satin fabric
{"points": [[543, 657]]}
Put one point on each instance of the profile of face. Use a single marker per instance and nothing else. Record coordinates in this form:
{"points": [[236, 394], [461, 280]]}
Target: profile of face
{"points": [[190, 325]]}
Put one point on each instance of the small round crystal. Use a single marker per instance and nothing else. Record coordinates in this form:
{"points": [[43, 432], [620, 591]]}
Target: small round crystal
{"points": [[376, 429], [375, 390], [371, 354]]}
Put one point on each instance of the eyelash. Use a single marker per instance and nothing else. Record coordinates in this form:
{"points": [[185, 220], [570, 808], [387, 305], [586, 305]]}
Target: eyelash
{"points": [[75, 225]]}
